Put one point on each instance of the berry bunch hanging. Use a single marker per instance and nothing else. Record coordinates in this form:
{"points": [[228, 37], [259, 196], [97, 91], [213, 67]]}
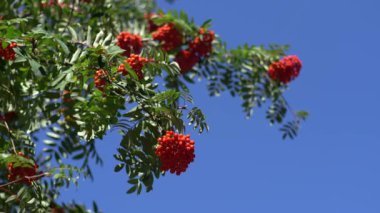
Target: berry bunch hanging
{"points": [[168, 36], [175, 151], [285, 70], [8, 117], [186, 60], [100, 79], [136, 62], [200, 47], [8, 53], [131, 43], [22, 172], [202, 44]]}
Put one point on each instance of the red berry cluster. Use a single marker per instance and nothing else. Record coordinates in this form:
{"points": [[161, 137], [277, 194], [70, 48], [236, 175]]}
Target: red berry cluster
{"points": [[9, 116], [22, 172], [175, 151], [169, 37], [136, 62], [100, 79], [285, 70], [66, 96], [8, 53], [202, 44], [131, 43], [186, 60]]}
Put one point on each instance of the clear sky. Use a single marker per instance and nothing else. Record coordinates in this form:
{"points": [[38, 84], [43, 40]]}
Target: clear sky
{"points": [[333, 166]]}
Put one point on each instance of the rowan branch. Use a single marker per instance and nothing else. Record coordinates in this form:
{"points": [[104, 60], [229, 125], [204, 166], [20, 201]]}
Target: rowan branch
{"points": [[34, 177]]}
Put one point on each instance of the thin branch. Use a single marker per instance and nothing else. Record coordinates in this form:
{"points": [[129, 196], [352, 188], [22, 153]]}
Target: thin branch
{"points": [[34, 177], [10, 136], [11, 193]]}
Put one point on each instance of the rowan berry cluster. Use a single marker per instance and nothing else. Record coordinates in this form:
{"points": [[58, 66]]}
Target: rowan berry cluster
{"points": [[170, 39], [202, 44], [200, 47], [168, 36], [285, 70], [66, 96], [136, 62], [22, 172], [186, 60], [175, 151], [8, 53], [131, 43], [100, 79], [8, 117]]}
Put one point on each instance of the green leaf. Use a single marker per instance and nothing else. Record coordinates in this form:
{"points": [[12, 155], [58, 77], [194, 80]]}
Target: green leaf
{"points": [[119, 167], [73, 33], [36, 67], [170, 96], [89, 36], [53, 135], [302, 114], [132, 189], [64, 46], [31, 201], [11, 198], [206, 24]]}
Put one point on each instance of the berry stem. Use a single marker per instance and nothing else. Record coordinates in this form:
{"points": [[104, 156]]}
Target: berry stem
{"points": [[10, 136]]}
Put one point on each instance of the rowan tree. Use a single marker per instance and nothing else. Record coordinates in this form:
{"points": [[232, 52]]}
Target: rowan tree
{"points": [[75, 69]]}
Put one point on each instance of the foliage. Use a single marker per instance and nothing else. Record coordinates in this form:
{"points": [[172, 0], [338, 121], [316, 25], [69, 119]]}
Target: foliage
{"points": [[50, 87]]}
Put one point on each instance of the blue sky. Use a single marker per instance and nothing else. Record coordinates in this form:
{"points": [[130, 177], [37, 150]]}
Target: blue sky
{"points": [[243, 165]]}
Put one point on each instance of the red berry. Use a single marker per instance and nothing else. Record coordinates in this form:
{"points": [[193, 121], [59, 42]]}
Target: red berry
{"points": [[202, 44], [136, 62], [186, 60], [131, 43], [285, 70], [175, 151], [169, 37]]}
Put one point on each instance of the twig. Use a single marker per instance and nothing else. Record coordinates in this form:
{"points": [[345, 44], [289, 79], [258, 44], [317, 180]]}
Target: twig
{"points": [[71, 13], [10, 136], [26, 177], [9, 192]]}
